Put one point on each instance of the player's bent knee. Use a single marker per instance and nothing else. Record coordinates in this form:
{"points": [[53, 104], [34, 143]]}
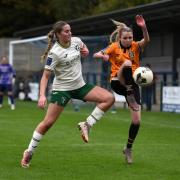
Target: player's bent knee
{"points": [[110, 99], [137, 122]]}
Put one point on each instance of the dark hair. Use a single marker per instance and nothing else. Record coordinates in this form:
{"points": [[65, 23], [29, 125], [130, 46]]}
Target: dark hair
{"points": [[52, 36]]}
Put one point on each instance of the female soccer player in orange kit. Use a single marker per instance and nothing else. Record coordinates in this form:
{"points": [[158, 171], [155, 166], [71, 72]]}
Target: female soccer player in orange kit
{"points": [[123, 55]]}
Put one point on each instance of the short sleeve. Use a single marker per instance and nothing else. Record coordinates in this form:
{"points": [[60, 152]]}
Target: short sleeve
{"points": [[136, 46], [78, 41], [109, 49], [51, 61]]}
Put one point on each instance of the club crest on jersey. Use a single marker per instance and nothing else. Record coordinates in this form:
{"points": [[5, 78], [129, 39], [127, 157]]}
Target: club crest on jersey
{"points": [[48, 61], [131, 55], [77, 47]]}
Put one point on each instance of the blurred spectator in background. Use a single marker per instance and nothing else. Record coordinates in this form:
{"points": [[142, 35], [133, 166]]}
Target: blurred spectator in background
{"points": [[21, 91], [7, 79]]}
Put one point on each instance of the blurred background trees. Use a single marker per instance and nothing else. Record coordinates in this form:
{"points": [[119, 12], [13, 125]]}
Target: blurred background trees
{"points": [[19, 15]]}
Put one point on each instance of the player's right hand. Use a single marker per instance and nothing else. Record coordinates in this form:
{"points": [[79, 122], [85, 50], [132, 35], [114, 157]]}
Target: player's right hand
{"points": [[105, 57], [42, 102]]}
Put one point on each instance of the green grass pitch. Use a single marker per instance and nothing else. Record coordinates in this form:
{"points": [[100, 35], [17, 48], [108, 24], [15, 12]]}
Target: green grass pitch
{"points": [[62, 155]]}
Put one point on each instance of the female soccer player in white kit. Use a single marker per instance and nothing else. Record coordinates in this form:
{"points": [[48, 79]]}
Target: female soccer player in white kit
{"points": [[63, 57]]}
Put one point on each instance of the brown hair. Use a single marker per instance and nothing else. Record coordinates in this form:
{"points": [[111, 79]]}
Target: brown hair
{"points": [[4, 59], [52, 36], [120, 27]]}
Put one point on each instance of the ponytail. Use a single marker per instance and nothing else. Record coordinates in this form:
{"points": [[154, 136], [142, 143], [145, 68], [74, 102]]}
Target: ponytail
{"points": [[50, 36], [115, 34]]}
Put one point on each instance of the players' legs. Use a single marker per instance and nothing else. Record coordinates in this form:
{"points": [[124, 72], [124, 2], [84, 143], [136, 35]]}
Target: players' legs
{"points": [[126, 78], [9, 89], [125, 74], [11, 98], [1, 99], [134, 127], [135, 117], [1, 95], [52, 115], [104, 100], [133, 131]]}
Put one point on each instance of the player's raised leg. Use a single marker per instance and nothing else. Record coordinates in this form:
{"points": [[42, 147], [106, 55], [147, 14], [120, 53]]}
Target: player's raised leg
{"points": [[104, 100]]}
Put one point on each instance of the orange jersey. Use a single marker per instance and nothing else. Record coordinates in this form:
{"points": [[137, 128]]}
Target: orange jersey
{"points": [[117, 56]]}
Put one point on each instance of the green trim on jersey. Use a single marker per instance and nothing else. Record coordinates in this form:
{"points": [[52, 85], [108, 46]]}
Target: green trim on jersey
{"points": [[63, 97], [65, 47]]}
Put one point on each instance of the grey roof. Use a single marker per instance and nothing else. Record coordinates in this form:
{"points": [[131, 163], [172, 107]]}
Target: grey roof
{"points": [[162, 15]]}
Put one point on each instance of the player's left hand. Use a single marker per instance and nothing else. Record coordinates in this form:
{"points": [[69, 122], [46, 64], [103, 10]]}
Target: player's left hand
{"points": [[140, 21], [13, 80], [84, 51]]}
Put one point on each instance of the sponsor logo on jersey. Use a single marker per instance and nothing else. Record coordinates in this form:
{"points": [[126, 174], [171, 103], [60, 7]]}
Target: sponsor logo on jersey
{"points": [[73, 61]]}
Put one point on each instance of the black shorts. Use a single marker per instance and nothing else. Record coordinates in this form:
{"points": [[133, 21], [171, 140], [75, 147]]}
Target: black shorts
{"points": [[121, 90], [6, 87]]}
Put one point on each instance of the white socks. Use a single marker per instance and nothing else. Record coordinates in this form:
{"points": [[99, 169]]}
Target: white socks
{"points": [[91, 120], [34, 141], [95, 116]]}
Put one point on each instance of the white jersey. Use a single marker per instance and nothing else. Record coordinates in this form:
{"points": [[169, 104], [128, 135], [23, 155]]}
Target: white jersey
{"points": [[66, 64]]}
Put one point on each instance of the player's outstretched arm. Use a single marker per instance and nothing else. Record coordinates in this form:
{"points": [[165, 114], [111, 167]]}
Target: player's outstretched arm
{"points": [[141, 23], [101, 55]]}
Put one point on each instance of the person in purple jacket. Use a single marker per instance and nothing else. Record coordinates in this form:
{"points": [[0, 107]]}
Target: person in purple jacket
{"points": [[7, 75]]}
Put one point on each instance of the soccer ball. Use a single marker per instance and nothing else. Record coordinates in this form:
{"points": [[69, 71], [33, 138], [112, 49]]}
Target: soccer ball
{"points": [[143, 76]]}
